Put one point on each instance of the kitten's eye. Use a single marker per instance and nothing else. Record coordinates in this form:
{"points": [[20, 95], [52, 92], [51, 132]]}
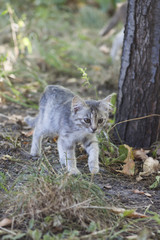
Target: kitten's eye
{"points": [[87, 120], [100, 120]]}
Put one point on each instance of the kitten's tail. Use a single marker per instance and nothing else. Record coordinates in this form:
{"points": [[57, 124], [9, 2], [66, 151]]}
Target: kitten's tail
{"points": [[31, 121]]}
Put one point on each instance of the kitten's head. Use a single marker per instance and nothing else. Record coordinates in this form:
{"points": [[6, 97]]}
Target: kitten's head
{"points": [[91, 115]]}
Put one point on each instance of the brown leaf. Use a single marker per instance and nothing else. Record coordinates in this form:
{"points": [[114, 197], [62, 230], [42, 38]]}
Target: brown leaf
{"points": [[130, 213], [141, 192], [150, 166], [148, 194], [140, 154], [28, 134], [6, 157], [104, 49], [138, 191], [107, 186], [129, 167], [138, 178], [5, 222], [82, 157], [55, 139]]}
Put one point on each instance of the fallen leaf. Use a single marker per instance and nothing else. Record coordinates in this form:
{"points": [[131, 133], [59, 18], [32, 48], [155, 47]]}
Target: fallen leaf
{"points": [[28, 134], [129, 166], [82, 157], [148, 194], [55, 139], [132, 237], [138, 191], [6, 157], [127, 213], [104, 49], [140, 154], [71, 80], [107, 186], [150, 166], [138, 178], [141, 192], [5, 222]]}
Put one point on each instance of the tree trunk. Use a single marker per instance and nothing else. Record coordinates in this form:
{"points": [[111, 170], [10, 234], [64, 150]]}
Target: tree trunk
{"points": [[139, 81]]}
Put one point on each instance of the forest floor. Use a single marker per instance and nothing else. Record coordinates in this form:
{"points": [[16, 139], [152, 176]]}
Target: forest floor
{"points": [[38, 199], [120, 191]]}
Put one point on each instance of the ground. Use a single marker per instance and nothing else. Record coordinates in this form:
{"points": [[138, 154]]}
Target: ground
{"points": [[44, 43], [120, 190]]}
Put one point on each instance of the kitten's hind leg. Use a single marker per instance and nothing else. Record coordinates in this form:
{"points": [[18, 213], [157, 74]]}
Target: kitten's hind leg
{"points": [[36, 142], [67, 156]]}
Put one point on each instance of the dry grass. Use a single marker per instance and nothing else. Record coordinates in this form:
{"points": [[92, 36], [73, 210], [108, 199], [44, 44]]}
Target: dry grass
{"points": [[59, 202]]}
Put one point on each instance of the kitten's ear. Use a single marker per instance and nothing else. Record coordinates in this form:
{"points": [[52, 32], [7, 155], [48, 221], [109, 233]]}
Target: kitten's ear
{"points": [[106, 102], [77, 104]]}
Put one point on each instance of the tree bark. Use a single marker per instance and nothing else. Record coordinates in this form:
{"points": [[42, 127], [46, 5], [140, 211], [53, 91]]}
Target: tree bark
{"points": [[139, 81]]}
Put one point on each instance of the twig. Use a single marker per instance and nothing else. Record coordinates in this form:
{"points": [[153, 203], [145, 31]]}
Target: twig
{"points": [[8, 231], [101, 232], [4, 116], [135, 119], [77, 205], [51, 167]]}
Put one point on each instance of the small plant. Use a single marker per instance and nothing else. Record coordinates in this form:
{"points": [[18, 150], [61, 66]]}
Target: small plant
{"points": [[85, 77], [3, 182], [156, 183], [56, 202]]}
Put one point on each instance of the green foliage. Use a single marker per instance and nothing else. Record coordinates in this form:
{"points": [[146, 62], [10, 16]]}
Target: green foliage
{"points": [[50, 2], [106, 4], [85, 77], [155, 216], [3, 182], [49, 41], [91, 17], [123, 152], [156, 183], [92, 227], [49, 202], [14, 236], [35, 235], [109, 153]]}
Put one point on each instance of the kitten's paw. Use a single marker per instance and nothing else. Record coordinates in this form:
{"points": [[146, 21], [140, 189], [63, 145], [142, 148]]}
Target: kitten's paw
{"points": [[35, 153], [94, 170], [63, 163], [74, 171]]}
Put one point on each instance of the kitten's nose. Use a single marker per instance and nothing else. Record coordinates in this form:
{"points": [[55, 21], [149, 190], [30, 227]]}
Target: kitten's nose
{"points": [[94, 129]]}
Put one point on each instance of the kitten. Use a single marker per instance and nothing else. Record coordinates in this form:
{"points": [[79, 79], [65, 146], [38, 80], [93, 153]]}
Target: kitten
{"points": [[119, 16], [73, 120]]}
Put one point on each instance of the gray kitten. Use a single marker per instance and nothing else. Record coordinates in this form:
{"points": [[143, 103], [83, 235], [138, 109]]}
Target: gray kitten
{"points": [[73, 120]]}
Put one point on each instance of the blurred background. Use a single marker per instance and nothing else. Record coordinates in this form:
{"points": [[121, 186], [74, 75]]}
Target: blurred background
{"points": [[46, 42]]}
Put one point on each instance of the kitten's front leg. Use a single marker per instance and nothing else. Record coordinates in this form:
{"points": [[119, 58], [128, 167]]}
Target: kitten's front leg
{"points": [[92, 148], [67, 156]]}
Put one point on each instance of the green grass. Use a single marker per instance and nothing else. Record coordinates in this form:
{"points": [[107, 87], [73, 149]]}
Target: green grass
{"points": [[48, 205], [52, 42]]}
